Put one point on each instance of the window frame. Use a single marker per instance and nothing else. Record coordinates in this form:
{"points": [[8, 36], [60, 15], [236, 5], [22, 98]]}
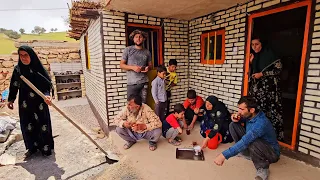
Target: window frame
{"points": [[204, 35], [87, 53]]}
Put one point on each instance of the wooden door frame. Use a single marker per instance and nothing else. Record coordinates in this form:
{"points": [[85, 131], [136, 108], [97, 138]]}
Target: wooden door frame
{"points": [[160, 39], [308, 4]]}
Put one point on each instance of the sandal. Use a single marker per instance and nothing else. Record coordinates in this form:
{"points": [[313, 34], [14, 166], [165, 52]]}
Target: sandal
{"points": [[152, 146], [174, 142], [128, 145], [178, 139]]}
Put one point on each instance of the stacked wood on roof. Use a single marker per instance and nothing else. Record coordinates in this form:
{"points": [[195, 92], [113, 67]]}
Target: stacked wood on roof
{"points": [[80, 15]]}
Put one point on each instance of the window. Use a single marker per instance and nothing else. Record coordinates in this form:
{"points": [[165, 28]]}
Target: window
{"points": [[87, 52], [213, 48]]}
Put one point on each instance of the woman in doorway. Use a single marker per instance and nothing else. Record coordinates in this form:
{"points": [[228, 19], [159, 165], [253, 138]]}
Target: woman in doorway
{"points": [[264, 83], [33, 110], [216, 120]]}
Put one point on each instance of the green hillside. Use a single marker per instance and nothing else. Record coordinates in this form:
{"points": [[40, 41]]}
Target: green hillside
{"points": [[7, 44]]}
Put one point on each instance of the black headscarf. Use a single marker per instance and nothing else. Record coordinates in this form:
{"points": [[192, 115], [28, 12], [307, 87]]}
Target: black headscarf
{"points": [[40, 77], [217, 105], [263, 59]]}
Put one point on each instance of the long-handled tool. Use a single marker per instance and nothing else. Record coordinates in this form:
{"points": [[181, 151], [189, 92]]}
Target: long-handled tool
{"points": [[109, 160]]}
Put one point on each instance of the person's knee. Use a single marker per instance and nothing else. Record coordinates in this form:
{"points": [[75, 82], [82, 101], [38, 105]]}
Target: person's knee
{"points": [[232, 125], [120, 130], [156, 133]]}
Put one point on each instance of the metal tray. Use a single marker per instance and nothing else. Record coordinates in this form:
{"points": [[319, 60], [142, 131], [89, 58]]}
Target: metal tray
{"points": [[188, 154]]}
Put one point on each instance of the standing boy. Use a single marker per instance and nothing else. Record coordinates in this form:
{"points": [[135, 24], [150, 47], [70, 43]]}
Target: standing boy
{"points": [[159, 93], [171, 80]]}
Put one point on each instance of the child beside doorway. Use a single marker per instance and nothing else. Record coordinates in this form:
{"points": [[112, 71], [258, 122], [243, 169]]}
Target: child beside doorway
{"points": [[171, 80], [159, 94]]}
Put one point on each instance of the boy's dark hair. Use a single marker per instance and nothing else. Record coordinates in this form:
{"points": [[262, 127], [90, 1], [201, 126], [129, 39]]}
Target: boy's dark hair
{"points": [[250, 102], [136, 98], [161, 68], [178, 108], [173, 62], [191, 94]]}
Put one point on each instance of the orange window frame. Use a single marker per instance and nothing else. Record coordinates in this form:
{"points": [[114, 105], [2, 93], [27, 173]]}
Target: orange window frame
{"points": [[308, 4], [203, 37]]}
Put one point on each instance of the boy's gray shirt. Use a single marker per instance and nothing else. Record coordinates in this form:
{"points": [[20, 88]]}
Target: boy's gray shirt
{"points": [[137, 57]]}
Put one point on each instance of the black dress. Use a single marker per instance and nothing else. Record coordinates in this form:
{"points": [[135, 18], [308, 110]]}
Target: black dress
{"points": [[216, 120], [266, 90], [33, 111]]}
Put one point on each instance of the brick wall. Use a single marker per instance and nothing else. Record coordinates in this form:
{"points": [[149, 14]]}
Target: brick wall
{"points": [[309, 139], [225, 81], [176, 46], [94, 78]]}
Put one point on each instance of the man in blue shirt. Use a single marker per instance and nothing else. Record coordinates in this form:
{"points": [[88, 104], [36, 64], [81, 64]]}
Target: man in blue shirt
{"points": [[257, 140]]}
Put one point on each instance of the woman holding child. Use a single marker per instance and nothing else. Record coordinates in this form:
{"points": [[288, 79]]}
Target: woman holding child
{"points": [[216, 120]]}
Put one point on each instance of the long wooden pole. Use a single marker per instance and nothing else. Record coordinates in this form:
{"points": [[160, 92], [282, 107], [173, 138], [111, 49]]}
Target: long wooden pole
{"points": [[62, 113]]}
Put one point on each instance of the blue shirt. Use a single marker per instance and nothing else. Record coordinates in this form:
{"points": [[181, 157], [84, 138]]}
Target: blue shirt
{"points": [[158, 90], [257, 127]]}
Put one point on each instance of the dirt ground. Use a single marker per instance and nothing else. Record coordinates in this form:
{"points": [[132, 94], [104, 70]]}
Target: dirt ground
{"points": [[77, 158]]}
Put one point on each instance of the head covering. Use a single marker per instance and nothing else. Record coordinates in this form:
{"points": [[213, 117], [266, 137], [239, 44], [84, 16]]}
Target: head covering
{"points": [[137, 31], [217, 105], [213, 100], [35, 66], [263, 59]]}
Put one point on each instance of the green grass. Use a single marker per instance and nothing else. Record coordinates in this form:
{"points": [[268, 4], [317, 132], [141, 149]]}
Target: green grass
{"points": [[7, 44]]}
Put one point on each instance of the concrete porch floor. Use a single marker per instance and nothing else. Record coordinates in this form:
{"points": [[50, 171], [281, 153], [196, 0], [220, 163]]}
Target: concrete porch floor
{"points": [[162, 163]]}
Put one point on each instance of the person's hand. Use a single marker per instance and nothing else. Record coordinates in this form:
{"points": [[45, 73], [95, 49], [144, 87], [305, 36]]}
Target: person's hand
{"points": [[235, 117], [191, 126], [136, 69], [48, 100], [179, 130], [127, 124], [219, 160], [138, 127], [257, 75], [251, 58], [10, 105], [145, 70], [205, 143], [157, 102], [196, 110], [185, 125]]}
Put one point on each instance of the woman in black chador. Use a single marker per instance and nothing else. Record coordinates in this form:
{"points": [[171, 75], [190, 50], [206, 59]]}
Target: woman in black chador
{"points": [[33, 110], [265, 83]]}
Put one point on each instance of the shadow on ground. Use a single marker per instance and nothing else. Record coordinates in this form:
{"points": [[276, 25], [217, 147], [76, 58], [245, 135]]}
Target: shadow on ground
{"points": [[42, 167]]}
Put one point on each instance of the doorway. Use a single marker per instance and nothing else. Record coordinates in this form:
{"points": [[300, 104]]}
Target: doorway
{"points": [[285, 31], [154, 44]]}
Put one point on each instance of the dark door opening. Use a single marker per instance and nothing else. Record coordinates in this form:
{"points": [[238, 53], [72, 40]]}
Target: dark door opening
{"points": [[287, 30], [284, 33], [154, 44]]}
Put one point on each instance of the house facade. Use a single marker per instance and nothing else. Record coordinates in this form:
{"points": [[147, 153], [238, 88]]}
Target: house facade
{"points": [[217, 65]]}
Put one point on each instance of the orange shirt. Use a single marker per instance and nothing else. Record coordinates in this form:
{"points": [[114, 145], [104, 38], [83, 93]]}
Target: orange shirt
{"points": [[198, 104]]}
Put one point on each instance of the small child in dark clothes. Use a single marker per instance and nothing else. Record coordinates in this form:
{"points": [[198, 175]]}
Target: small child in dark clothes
{"points": [[174, 124]]}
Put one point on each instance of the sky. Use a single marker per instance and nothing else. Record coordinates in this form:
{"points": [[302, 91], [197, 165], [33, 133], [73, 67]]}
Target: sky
{"points": [[27, 19]]}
